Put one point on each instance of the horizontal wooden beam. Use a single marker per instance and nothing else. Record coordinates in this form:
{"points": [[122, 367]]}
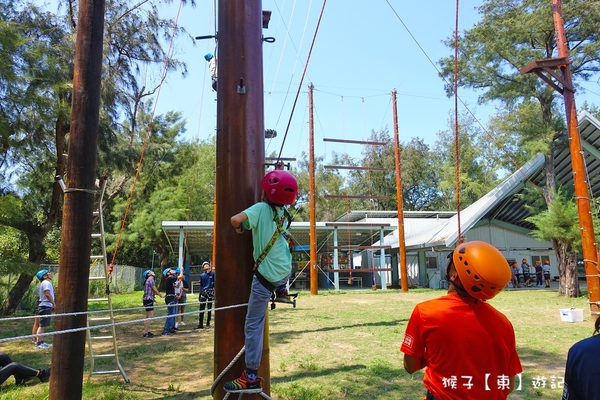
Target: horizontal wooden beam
{"points": [[341, 196], [358, 270], [354, 167], [356, 224], [354, 247], [367, 142]]}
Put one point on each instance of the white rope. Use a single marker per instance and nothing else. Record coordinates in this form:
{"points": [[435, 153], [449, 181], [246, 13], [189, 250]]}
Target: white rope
{"points": [[101, 311], [135, 321]]}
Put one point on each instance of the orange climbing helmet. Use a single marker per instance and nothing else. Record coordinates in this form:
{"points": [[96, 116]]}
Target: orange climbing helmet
{"points": [[546, 261], [482, 269], [281, 188]]}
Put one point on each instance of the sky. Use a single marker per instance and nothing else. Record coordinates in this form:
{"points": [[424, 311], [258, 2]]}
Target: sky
{"points": [[361, 53], [363, 50]]}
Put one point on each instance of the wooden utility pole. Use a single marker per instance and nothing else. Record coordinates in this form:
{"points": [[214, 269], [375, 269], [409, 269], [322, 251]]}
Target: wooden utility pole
{"points": [[400, 200], [240, 168], [588, 239], [314, 281], [73, 280], [565, 87]]}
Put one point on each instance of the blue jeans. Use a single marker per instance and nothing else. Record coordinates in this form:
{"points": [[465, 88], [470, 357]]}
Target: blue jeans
{"points": [[255, 320], [171, 311]]}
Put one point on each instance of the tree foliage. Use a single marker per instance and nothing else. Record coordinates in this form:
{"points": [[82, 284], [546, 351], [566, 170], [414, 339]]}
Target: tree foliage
{"points": [[511, 34], [36, 70]]}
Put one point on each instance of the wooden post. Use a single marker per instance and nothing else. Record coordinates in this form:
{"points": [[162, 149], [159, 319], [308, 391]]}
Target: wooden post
{"points": [[401, 244], [588, 241], [239, 170], [73, 282], [314, 273]]}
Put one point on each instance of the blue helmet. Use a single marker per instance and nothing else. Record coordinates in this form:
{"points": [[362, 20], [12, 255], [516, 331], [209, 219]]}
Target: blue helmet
{"points": [[208, 56], [177, 270], [166, 271], [41, 273], [145, 273]]}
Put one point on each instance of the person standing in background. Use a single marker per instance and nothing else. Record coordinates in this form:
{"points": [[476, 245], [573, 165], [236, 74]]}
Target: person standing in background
{"points": [[150, 291], [46, 306], [207, 294], [546, 269]]}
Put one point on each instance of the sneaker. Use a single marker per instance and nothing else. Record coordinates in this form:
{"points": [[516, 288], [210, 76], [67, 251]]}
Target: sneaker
{"points": [[42, 345], [148, 334], [176, 325], [243, 384], [44, 375], [182, 323], [200, 326], [282, 295], [166, 334]]}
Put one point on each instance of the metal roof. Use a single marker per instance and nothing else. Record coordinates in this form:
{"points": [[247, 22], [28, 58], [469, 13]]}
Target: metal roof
{"points": [[503, 203], [198, 235]]}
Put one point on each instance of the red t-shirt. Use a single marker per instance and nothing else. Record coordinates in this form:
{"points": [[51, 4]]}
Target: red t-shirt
{"points": [[469, 348]]}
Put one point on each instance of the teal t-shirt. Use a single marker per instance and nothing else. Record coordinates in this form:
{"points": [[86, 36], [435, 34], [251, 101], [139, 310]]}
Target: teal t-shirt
{"points": [[278, 262]]}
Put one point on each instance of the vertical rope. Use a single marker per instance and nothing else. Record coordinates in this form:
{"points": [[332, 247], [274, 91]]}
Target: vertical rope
{"points": [[456, 136], [302, 79]]}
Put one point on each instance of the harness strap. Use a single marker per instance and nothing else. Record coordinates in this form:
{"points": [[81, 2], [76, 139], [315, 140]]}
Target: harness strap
{"points": [[279, 231], [268, 285]]}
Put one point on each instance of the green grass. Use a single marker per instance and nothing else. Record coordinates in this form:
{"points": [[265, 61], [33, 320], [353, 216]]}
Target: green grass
{"points": [[337, 345]]}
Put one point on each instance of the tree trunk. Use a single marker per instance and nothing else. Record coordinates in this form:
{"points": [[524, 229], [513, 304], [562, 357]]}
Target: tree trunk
{"points": [[37, 253], [16, 294], [164, 263], [568, 283]]}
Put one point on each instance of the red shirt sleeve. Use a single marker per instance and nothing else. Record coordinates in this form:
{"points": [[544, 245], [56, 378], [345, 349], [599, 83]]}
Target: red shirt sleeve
{"points": [[412, 344]]}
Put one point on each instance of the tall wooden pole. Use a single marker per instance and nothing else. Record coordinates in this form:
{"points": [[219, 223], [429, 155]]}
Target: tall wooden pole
{"points": [[314, 281], [588, 240], [73, 282], [240, 168], [400, 200]]}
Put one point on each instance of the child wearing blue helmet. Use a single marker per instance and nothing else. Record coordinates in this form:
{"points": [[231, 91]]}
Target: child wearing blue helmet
{"points": [[170, 300], [212, 66], [45, 306], [150, 291]]}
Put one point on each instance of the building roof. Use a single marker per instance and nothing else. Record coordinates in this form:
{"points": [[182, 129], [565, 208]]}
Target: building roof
{"points": [[503, 204]]}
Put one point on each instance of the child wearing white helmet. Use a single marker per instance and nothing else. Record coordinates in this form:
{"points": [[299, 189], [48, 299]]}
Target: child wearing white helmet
{"points": [[466, 344], [207, 294], [267, 220]]}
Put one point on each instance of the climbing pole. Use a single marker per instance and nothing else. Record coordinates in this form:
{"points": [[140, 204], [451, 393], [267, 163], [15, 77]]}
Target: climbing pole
{"points": [[102, 342]]}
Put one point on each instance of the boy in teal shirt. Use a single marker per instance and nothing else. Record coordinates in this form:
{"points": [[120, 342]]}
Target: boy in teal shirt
{"points": [[268, 221]]}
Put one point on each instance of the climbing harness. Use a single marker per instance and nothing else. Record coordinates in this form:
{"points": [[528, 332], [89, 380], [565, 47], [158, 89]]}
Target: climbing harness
{"points": [[280, 231]]}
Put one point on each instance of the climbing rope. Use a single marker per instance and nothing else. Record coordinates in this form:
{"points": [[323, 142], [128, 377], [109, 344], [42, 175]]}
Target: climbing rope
{"points": [[302, 79]]}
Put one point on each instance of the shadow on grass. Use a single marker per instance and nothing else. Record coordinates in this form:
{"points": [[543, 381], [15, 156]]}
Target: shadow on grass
{"points": [[291, 335], [381, 379]]}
